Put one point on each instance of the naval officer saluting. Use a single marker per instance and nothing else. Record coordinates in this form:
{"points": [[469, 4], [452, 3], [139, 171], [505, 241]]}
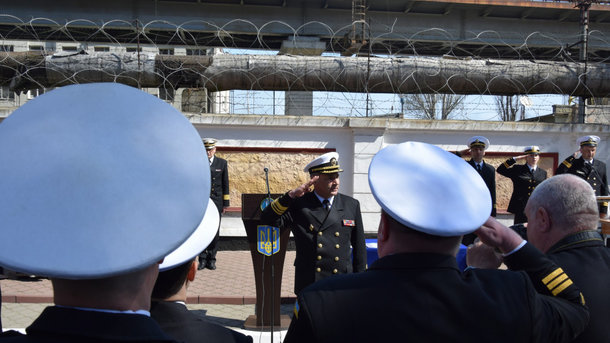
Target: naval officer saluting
{"points": [[326, 224], [525, 178], [588, 168]]}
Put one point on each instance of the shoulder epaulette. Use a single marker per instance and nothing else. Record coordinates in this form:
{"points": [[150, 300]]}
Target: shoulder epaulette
{"points": [[568, 162]]}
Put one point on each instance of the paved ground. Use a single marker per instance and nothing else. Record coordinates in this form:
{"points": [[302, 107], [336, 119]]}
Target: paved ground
{"points": [[226, 295]]}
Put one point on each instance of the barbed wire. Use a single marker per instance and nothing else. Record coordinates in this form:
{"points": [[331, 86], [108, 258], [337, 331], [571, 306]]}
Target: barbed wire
{"points": [[182, 58]]}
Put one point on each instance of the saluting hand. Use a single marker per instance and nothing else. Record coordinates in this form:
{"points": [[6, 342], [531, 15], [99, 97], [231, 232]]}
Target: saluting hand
{"points": [[480, 255], [302, 189], [520, 157], [576, 154], [497, 235], [464, 152]]}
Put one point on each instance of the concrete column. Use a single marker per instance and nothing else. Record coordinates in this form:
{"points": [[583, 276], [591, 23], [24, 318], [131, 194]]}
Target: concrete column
{"points": [[301, 103], [298, 103], [366, 144]]}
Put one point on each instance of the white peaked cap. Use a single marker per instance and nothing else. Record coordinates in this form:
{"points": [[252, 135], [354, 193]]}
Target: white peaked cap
{"points": [[440, 194], [98, 180], [197, 242], [478, 140]]}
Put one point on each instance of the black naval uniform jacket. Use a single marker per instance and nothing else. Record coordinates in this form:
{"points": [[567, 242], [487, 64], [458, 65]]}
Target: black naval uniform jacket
{"points": [[595, 175], [584, 257], [65, 325], [424, 297], [322, 238], [219, 188], [488, 173], [524, 182], [183, 325]]}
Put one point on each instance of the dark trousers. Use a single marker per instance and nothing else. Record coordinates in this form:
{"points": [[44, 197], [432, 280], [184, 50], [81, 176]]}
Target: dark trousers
{"points": [[520, 218], [209, 253]]}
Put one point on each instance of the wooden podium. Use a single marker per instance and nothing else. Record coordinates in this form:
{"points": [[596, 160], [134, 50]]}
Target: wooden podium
{"points": [[265, 300]]}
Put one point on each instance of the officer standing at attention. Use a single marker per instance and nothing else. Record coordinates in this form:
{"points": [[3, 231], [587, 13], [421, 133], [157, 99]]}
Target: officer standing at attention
{"points": [[327, 225], [525, 178], [477, 146], [415, 291], [586, 167], [220, 196], [99, 183]]}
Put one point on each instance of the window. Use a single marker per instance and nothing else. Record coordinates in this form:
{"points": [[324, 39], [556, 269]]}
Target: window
{"points": [[68, 48], [196, 52], [166, 94], [133, 49], [101, 49], [32, 93], [166, 51], [7, 48], [6, 93], [36, 48]]}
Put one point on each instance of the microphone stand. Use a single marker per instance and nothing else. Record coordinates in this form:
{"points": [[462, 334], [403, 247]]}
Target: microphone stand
{"points": [[272, 266]]}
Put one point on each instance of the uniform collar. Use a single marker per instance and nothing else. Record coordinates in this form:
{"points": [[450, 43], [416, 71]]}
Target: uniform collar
{"points": [[322, 199], [89, 325], [415, 261], [579, 239]]}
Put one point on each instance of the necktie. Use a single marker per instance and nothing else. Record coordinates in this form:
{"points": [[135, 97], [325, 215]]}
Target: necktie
{"points": [[326, 204], [478, 167]]}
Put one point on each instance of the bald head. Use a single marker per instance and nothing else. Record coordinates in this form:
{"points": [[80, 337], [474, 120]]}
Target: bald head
{"points": [[559, 206]]}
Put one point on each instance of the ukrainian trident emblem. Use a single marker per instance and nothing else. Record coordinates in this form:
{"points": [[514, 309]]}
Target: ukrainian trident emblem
{"points": [[268, 242]]}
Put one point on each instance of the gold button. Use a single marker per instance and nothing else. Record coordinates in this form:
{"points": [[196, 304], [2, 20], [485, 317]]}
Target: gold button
{"points": [[336, 258], [320, 233], [320, 245], [318, 269], [335, 271], [337, 246], [336, 234], [310, 227], [319, 257]]}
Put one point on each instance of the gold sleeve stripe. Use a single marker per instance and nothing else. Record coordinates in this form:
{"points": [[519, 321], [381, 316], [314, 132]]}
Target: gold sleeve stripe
{"points": [[605, 203], [567, 164], [582, 299], [552, 275], [506, 164], [226, 197], [277, 207], [561, 287], [557, 281]]}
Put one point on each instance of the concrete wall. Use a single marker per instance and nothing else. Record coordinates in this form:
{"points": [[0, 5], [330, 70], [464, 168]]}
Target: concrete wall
{"points": [[358, 139]]}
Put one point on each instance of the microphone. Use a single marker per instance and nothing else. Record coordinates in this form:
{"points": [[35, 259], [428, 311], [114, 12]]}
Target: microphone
{"points": [[266, 201]]}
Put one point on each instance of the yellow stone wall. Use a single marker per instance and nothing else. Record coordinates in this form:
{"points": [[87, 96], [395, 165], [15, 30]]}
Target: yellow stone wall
{"points": [[246, 173]]}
